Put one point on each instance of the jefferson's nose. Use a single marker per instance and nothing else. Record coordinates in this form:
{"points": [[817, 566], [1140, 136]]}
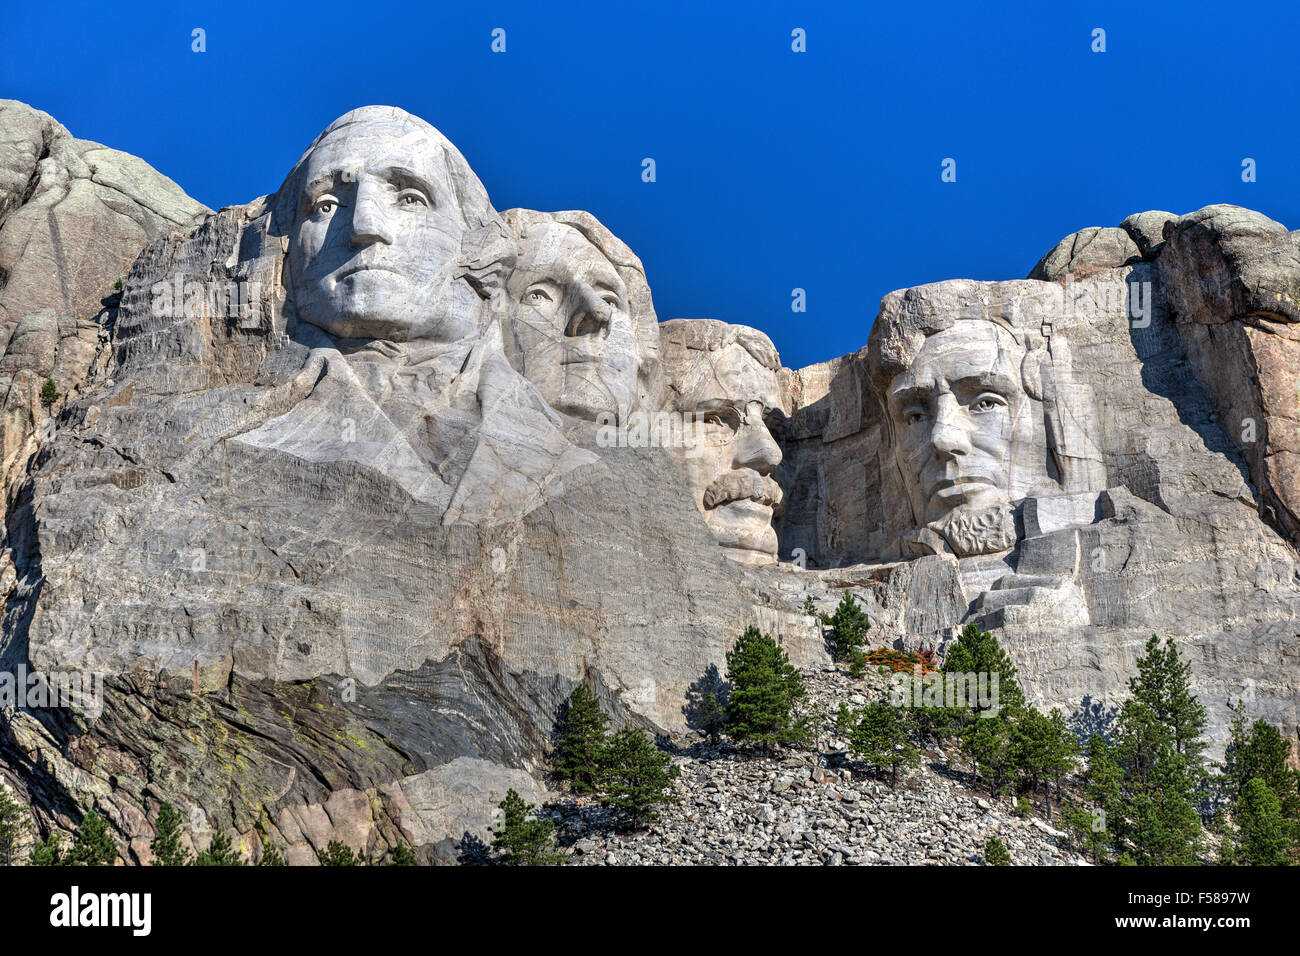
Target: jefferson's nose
{"points": [[949, 437], [369, 221], [757, 449], [591, 313]]}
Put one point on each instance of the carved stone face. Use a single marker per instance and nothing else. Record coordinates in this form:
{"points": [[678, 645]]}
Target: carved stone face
{"points": [[731, 396], [959, 412], [375, 234], [571, 332]]}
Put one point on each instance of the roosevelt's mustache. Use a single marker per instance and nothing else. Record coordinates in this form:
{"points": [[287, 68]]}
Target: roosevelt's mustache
{"points": [[740, 485]]}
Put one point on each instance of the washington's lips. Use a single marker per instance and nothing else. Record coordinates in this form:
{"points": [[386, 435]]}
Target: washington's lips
{"points": [[743, 484]]}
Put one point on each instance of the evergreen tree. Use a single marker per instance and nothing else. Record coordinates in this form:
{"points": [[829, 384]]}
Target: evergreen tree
{"points": [[402, 855], [93, 845], [581, 741], [1265, 838], [167, 848], [713, 717], [337, 854], [995, 853], [1261, 751], [976, 651], [850, 624], [1045, 751], [636, 776], [519, 841], [988, 743], [15, 820], [881, 738], [47, 852], [49, 393], [1159, 748], [271, 856], [765, 689], [220, 852], [1163, 685]]}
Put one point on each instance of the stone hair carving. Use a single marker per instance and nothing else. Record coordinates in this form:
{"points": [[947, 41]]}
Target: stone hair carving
{"points": [[723, 377], [580, 323]]}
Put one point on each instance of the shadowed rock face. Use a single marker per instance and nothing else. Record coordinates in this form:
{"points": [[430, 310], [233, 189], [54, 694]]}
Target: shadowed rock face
{"points": [[334, 512]]}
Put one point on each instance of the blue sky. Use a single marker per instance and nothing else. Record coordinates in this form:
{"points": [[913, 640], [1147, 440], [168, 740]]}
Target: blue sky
{"points": [[775, 169]]}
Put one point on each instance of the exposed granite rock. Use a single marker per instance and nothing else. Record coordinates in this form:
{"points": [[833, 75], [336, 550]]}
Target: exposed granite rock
{"points": [[73, 217]]}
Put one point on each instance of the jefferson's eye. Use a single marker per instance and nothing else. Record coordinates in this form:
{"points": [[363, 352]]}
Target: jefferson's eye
{"points": [[536, 297], [915, 416], [987, 403]]}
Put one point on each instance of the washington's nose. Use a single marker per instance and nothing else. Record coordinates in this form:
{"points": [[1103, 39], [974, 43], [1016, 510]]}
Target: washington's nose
{"points": [[591, 314], [949, 438], [756, 449], [369, 223]]}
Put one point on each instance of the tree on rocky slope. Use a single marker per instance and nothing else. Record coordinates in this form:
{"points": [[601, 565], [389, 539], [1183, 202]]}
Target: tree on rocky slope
{"points": [[765, 689], [519, 841], [581, 740], [15, 819], [166, 845], [637, 777], [881, 737]]}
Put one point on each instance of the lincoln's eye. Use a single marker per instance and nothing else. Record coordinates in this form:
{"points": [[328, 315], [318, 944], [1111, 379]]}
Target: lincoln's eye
{"points": [[411, 198], [612, 301]]}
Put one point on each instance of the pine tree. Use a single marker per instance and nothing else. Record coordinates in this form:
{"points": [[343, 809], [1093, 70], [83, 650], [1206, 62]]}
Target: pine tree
{"points": [[1158, 745], [581, 741], [220, 852], [636, 776], [850, 624], [995, 853], [15, 820], [519, 841], [713, 717], [337, 854], [977, 652], [1265, 838], [1261, 751], [402, 855], [881, 737], [47, 852], [1163, 684], [49, 393], [93, 845], [1044, 751], [765, 689], [271, 856], [167, 848]]}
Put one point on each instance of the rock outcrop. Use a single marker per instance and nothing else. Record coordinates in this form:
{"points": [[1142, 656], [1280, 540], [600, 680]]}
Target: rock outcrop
{"points": [[367, 477]]}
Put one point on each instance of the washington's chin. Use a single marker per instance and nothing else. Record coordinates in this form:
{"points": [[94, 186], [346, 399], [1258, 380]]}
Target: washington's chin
{"points": [[744, 530], [587, 401]]}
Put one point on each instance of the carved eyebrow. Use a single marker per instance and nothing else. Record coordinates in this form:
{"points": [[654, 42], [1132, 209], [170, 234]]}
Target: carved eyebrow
{"points": [[321, 183], [986, 381], [403, 176]]}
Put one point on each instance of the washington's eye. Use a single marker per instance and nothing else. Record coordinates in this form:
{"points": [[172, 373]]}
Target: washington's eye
{"points": [[325, 205]]}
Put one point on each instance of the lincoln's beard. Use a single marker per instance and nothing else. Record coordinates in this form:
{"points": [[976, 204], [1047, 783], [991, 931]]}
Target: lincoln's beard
{"points": [[972, 530]]}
